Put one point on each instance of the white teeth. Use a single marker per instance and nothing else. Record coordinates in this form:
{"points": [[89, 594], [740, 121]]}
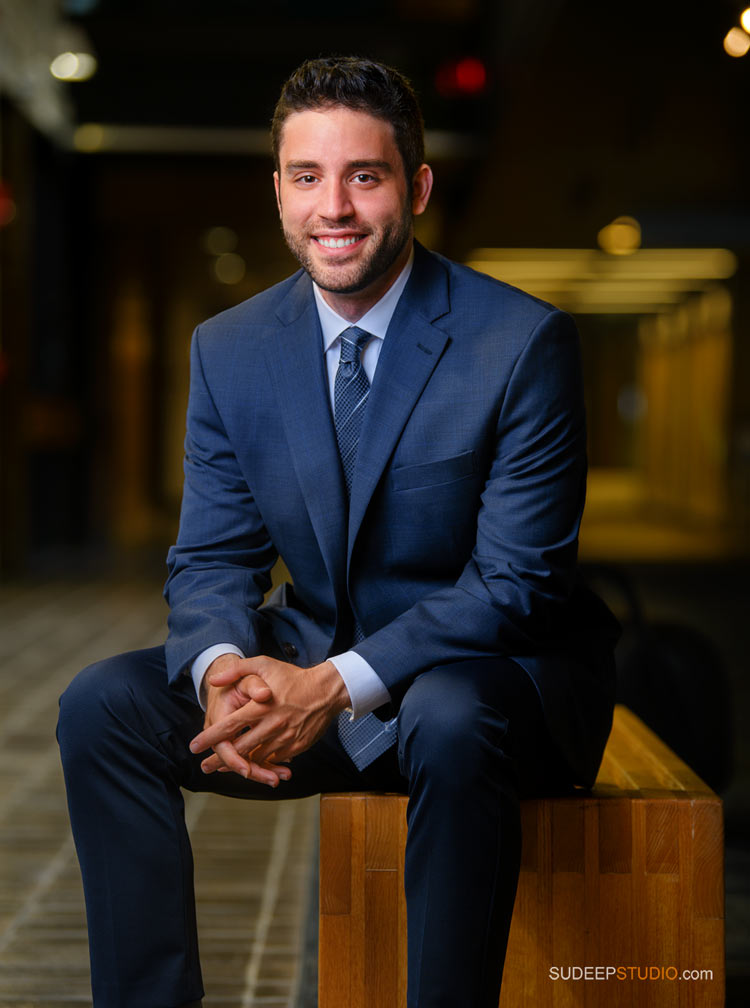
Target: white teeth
{"points": [[336, 242]]}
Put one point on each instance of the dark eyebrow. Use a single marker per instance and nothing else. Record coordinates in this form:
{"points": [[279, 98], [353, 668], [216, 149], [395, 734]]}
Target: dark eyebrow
{"points": [[293, 166], [374, 163]]}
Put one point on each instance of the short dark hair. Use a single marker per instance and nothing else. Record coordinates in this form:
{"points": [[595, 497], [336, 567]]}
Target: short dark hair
{"points": [[359, 84]]}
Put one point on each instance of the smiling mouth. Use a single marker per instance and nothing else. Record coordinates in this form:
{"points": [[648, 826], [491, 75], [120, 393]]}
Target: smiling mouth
{"points": [[337, 243]]}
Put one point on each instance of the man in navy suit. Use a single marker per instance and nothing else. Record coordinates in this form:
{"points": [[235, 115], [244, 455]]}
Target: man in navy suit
{"points": [[409, 436]]}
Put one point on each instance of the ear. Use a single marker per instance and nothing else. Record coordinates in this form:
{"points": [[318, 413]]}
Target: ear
{"points": [[276, 186], [421, 189]]}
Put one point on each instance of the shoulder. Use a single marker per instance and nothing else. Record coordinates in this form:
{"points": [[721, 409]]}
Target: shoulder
{"points": [[482, 295], [257, 313], [477, 309]]}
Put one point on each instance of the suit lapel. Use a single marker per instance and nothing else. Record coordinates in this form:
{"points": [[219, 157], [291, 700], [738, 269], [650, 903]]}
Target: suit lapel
{"points": [[411, 350], [297, 368]]}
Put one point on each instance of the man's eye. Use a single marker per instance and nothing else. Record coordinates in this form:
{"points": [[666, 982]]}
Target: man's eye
{"points": [[306, 179], [364, 177]]}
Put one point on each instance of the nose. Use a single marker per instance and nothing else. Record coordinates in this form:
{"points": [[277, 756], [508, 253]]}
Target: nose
{"points": [[336, 203]]}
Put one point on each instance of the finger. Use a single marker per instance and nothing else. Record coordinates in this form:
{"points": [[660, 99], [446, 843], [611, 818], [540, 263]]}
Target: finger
{"points": [[266, 744], [249, 769], [214, 763], [225, 729], [255, 688], [227, 667], [263, 775], [225, 754], [272, 752], [282, 773], [249, 683]]}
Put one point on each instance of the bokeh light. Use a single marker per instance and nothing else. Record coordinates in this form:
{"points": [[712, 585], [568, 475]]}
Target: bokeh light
{"points": [[463, 78], [230, 268], [736, 42], [220, 239], [73, 66], [89, 137], [621, 237]]}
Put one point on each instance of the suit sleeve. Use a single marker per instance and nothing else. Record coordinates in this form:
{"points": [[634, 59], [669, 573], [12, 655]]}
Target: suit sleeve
{"points": [[219, 567], [509, 598]]}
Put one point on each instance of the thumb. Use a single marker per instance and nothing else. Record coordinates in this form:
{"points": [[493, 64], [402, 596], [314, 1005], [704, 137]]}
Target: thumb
{"points": [[224, 671]]}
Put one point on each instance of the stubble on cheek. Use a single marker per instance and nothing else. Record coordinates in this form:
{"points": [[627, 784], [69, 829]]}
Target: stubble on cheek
{"points": [[351, 277]]}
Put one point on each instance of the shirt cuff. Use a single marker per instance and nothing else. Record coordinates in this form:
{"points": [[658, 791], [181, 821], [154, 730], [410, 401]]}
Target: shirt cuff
{"points": [[204, 659], [366, 689]]}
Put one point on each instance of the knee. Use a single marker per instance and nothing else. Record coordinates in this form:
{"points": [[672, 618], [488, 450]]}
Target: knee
{"points": [[97, 698], [446, 728]]}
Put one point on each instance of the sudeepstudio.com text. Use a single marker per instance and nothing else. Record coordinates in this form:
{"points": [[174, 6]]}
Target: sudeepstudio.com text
{"points": [[627, 973]]}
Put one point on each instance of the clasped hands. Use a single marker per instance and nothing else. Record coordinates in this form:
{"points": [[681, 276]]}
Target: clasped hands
{"points": [[261, 712]]}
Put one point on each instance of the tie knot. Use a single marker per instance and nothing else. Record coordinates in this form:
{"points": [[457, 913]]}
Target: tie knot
{"points": [[352, 342]]}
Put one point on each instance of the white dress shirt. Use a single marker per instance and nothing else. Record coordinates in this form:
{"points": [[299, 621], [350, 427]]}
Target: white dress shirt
{"points": [[366, 689]]}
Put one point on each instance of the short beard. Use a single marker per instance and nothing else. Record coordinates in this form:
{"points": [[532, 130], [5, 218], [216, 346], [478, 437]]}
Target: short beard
{"points": [[389, 248]]}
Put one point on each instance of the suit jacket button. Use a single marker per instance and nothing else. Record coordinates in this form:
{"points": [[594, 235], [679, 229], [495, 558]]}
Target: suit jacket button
{"points": [[289, 650]]}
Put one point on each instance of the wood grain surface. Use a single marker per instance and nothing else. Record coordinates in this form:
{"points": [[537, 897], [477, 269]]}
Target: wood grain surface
{"points": [[629, 876]]}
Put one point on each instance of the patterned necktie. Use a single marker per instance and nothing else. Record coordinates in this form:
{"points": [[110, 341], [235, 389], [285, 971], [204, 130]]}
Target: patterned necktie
{"points": [[367, 737]]}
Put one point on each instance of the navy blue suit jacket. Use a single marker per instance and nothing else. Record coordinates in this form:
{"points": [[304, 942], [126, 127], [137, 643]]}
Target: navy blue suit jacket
{"points": [[461, 537]]}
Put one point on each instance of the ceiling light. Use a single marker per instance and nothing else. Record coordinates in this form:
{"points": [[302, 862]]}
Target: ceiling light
{"points": [[621, 237], [736, 42], [73, 66]]}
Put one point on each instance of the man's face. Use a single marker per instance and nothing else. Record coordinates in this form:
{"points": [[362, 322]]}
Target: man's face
{"points": [[345, 205]]}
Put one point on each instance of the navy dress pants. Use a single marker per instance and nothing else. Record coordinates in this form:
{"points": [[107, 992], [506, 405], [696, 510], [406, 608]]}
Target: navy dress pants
{"points": [[471, 740]]}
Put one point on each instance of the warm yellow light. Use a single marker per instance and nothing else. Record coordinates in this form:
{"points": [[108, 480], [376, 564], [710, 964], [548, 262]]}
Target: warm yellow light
{"points": [[229, 268], [736, 42], [89, 137], [621, 237], [595, 282], [745, 19], [70, 66]]}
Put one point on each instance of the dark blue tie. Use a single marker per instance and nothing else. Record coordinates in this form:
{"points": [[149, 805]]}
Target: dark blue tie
{"points": [[367, 737]]}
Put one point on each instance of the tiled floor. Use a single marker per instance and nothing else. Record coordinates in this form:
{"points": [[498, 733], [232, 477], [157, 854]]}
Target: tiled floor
{"points": [[253, 860]]}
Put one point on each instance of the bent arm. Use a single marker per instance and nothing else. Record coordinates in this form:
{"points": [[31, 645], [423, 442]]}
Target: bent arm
{"points": [[219, 567], [510, 596]]}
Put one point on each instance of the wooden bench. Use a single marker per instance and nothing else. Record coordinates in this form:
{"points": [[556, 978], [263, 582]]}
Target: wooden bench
{"points": [[628, 875]]}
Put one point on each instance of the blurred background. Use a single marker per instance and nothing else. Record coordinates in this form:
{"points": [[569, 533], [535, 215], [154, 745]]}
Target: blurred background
{"points": [[595, 154]]}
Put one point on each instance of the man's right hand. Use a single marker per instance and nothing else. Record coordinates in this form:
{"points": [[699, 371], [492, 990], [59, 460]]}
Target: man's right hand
{"points": [[249, 693]]}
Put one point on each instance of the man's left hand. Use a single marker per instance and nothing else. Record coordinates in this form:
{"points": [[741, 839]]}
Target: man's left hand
{"points": [[303, 703]]}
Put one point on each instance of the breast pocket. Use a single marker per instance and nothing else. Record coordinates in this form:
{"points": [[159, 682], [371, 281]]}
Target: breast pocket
{"points": [[430, 474]]}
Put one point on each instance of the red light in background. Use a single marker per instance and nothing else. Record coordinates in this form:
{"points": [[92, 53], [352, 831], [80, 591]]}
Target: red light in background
{"points": [[464, 78], [471, 76], [7, 206]]}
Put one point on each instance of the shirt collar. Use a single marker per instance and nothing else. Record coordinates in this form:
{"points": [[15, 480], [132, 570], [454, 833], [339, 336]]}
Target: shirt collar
{"points": [[376, 320]]}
